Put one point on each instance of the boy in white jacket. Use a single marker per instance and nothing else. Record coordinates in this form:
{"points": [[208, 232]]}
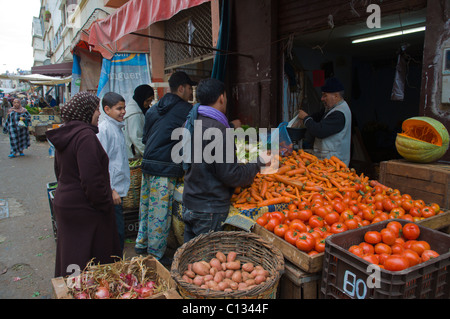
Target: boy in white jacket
{"points": [[112, 139]]}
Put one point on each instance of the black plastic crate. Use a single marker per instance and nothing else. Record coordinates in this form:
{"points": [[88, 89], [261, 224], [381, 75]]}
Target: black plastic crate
{"points": [[347, 276], [131, 222]]}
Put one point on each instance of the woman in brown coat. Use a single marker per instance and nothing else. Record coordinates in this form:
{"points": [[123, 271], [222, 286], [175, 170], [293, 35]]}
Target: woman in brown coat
{"points": [[83, 203]]}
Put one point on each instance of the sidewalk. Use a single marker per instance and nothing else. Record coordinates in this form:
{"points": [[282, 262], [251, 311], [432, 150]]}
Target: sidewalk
{"points": [[27, 246]]}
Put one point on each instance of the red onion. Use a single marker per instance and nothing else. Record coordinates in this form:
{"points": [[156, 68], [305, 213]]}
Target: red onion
{"points": [[102, 293]]}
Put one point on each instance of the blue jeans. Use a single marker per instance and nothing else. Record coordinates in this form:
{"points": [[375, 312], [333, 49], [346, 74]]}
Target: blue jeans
{"points": [[120, 225], [196, 223]]}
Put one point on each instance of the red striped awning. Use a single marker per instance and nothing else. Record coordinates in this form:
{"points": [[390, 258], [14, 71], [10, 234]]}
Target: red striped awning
{"points": [[136, 15]]}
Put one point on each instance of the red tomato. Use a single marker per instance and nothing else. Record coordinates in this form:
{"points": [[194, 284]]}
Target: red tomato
{"points": [[429, 254], [415, 212], [427, 211], [298, 225], [272, 223], [435, 207], [397, 249], [420, 246], [419, 203], [411, 231], [382, 248], [372, 237], [337, 228], [332, 218], [262, 221], [397, 212], [316, 221], [389, 204], [351, 223], [281, 230], [338, 206], [320, 210], [347, 214], [291, 236], [305, 214], [293, 214], [371, 259], [388, 236], [279, 215], [357, 250], [320, 245], [367, 248], [382, 258], [395, 226], [305, 242], [396, 263], [368, 214], [407, 204], [412, 257]]}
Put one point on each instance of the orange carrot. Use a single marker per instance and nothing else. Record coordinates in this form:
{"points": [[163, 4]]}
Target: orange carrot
{"points": [[274, 201], [295, 171], [284, 169]]}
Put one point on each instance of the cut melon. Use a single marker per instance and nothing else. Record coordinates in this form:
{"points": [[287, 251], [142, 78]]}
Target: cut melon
{"points": [[423, 140]]}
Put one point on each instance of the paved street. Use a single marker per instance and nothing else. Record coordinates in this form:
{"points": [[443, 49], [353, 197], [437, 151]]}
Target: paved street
{"points": [[27, 246]]}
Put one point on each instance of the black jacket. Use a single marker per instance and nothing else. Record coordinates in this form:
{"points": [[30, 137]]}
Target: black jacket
{"points": [[208, 187], [160, 120]]}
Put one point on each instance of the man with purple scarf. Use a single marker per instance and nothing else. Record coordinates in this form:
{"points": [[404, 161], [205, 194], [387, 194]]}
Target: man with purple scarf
{"points": [[209, 185]]}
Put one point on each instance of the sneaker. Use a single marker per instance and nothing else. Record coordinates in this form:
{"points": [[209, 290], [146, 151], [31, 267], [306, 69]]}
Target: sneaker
{"points": [[22, 154], [11, 155]]}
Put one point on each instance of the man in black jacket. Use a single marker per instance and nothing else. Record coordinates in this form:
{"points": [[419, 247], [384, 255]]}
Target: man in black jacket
{"points": [[209, 184], [160, 173]]}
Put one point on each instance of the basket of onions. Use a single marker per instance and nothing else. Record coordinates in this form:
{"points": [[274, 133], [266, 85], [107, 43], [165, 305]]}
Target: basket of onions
{"points": [[140, 277], [227, 265]]}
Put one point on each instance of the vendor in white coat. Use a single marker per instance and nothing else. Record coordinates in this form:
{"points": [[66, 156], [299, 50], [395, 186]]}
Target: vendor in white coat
{"points": [[135, 118], [331, 127]]}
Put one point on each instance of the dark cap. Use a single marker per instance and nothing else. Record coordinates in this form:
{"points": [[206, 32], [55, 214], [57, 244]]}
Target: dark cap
{"points": [[332, 85], [180, 78]]}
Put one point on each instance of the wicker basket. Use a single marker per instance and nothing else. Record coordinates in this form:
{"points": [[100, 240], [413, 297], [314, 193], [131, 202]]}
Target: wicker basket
{"points": [[132, 200], [249, 248]]}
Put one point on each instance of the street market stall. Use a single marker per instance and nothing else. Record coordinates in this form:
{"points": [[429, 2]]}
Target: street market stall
{"points": [[315, 218]]}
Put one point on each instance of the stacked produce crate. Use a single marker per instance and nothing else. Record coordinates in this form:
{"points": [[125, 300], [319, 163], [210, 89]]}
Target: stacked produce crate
{"points": [[325, 199]]}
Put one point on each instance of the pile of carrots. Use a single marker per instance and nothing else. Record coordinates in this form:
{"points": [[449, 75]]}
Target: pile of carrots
{"points": [[299, 177]]}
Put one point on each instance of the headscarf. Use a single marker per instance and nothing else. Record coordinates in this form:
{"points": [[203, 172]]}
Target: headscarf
{"points": [[141, 93], [81, 107], [19, 109]]}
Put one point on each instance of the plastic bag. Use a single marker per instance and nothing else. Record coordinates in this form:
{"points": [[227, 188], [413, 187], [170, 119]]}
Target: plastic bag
{"points": [[21, 124], [281, 140]]}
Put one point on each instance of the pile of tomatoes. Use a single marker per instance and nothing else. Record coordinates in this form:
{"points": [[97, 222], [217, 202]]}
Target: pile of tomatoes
{"points": [[306, 223], [395, 247]]}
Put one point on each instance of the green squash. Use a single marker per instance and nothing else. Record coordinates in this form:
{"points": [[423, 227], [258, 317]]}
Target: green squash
{"points": [[423, 140]]}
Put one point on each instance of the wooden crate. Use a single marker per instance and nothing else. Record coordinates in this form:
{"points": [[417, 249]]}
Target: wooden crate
{"points": [[429, 182], [310, 264], [297, 284], [313, 264], [61, 291]]}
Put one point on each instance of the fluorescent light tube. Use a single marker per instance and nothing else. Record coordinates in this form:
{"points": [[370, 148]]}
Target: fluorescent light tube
{"points": [[389, 35]]}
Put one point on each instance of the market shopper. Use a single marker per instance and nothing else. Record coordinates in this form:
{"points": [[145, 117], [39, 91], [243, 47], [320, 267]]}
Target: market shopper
{"points": [[135, 119], [5, 108], [83, 204], [160, 173], [332, 126], [112, 139], [209, 185], [16, 125]]}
